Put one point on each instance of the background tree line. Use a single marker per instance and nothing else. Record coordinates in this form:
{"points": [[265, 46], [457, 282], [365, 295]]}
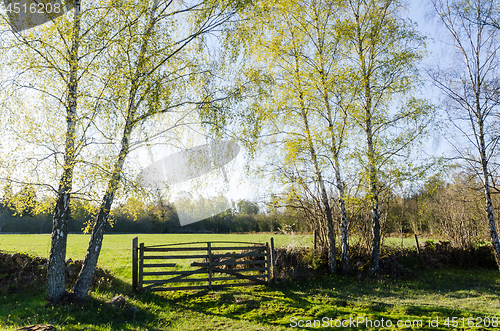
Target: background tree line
{"points": [[21, 216], [446, 207]]}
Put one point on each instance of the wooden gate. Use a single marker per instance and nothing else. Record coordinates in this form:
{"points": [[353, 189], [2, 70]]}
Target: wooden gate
{"points": [[201, 265]]}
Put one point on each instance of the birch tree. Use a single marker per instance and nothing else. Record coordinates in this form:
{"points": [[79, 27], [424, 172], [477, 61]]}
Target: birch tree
{"points": [[56, 283], [382, 53], [324, 31], [296, 46], [155, 65], [472, 88], [51, 64]]}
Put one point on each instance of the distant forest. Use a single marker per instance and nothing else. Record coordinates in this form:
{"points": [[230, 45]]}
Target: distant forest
{"points": [[22, 212], [451, 209]]}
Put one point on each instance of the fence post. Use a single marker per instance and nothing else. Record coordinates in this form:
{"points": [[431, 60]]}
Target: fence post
{"points": [[209, 251], [135, 271], [273, 259], [418, 246], [268, 264], [141, 262]]}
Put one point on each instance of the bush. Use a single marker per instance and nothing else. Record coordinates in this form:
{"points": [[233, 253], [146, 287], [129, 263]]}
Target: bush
{"points": [[300, 262], [22, 272]]}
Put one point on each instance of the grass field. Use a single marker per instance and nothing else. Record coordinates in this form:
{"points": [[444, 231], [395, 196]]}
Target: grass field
{"points": [[443, 294], [116, 254]]}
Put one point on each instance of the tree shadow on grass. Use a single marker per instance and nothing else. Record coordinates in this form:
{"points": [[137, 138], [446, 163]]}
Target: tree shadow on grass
{"points": [[260, 304], [24, 309], [329, 296], [334, 297]]}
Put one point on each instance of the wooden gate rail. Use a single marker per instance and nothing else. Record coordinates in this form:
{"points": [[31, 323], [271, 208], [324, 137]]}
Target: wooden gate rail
{"points": [[215, 264]]}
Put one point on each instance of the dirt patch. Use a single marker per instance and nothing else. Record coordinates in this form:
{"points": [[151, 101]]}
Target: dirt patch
{"points": [[22, 272]]}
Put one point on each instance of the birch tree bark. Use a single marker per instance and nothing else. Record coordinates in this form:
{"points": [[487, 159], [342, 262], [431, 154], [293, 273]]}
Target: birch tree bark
{"points": [[299, 82], [56, 283], [86, 275], [332, 256]]}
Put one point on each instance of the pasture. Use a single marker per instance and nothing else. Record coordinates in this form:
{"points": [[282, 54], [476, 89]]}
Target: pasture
{"points": [[432, 296], [116, 254]]}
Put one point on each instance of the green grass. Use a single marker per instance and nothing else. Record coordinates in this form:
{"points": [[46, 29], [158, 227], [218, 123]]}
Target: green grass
{"points": [[116, 252], [437, 294]]}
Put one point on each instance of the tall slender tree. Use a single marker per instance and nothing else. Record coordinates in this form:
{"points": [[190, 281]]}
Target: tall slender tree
{"points": [[296, 46], [323, 27], [472, 88], [52, 63], [56, 283], [382, 53]]}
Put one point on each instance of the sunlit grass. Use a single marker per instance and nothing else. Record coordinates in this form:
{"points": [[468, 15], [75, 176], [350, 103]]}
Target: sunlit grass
{"points": [[433, 294]]}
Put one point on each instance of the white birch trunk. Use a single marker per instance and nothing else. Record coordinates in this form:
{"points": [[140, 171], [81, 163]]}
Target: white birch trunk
{"points": [[487, 192], [344, 240], [86, 275], [372, 173], [332, 262], [56, 283], [370, 150]]}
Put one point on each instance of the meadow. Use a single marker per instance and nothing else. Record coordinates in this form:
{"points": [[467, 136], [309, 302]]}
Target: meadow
{"points": [[429, 301], [116, 254]]}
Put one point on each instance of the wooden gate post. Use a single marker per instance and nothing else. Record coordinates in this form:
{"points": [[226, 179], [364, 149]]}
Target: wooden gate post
{"points": [[418, 246], [141, 264], [315, 240], [268, 263], [209, 251], [273, 259], [135, 265]]}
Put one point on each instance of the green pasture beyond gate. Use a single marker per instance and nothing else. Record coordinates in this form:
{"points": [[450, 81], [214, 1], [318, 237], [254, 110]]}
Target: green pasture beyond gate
{"points": [[435, 294], [116, 251], [116, 256]]}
